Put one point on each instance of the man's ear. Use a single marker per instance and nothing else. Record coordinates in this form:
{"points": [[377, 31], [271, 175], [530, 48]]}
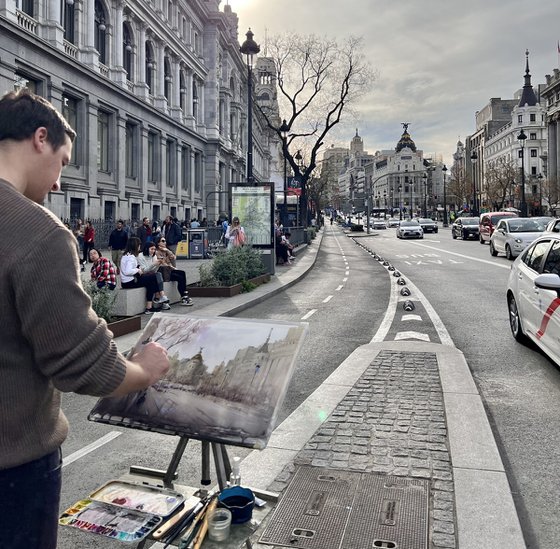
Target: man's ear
{"points": [[40, 138]]}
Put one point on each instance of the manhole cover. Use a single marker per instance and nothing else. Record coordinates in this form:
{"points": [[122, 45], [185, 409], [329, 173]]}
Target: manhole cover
{"points": [[331, 509]]}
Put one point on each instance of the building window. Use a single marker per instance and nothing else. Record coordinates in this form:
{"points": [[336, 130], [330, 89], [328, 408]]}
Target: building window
{"points": [[131, 132], [100, 37], [197, 172], [68, 21], [128, 63], [520, 118], [70, 107], [27, 7], [103, 119], [533, 136], [182, 92], [533, 153], [185, 168], [533, 170], [195, 101], [153, 157], [533, 117], [135, 212], [24, 82], [520, 153], [167, 80], [171, 150], [110, 209], [150, 67]]}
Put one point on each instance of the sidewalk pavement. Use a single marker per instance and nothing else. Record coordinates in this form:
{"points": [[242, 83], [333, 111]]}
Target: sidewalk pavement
{"points": [[403, 408]]}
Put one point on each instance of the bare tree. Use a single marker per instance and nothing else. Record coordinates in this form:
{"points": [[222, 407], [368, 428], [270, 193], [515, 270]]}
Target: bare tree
{"points": [[459, 187], [500, 178], [318, 79]]}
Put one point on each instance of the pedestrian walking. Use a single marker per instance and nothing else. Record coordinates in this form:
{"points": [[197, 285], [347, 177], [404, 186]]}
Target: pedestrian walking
{"points": [[51, 339], [117, 243]]}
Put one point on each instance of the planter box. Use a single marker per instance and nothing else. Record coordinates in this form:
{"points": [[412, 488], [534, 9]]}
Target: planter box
{"points": [[125, 326], [224, 291]]}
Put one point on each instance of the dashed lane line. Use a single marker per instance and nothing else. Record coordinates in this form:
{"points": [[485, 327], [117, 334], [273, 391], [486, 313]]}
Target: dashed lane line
{"points": [[307, 315], [327, 299], [412, 335], [90, 448], [339, 288]]}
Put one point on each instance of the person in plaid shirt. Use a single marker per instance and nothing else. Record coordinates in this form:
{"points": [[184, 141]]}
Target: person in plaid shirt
{"points": [[102, 270]]}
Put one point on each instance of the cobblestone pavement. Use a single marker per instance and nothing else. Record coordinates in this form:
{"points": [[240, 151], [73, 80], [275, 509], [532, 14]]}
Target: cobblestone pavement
{"points": [[392, 422]]}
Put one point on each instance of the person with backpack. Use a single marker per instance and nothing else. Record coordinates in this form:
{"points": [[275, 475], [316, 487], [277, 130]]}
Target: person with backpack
{"points": [[235, 234]]}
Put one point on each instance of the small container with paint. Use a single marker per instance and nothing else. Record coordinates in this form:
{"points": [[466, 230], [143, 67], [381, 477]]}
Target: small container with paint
{"points": [[219, 522]]}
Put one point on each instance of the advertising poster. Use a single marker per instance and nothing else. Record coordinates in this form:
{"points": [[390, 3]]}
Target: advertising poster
{"points": [[254, 205]]}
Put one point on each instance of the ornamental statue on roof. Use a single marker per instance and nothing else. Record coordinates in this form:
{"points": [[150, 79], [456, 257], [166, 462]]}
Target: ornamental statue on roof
{"points": [[405, 140]]}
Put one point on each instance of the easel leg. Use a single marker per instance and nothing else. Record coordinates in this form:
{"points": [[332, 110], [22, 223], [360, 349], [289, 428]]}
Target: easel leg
{"points": [[218, 450]]}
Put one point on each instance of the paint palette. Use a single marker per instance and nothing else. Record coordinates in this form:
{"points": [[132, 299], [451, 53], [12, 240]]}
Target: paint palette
{"points": [[122, 510]]}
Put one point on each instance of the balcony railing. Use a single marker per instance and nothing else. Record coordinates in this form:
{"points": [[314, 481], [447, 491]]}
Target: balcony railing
{"points": [[26, 21], [70, 49], [104, 70]]}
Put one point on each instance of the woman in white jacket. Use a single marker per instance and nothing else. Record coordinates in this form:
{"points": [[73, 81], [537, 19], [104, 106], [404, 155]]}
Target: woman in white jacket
{"points": [[147, 261], [132, 275]]}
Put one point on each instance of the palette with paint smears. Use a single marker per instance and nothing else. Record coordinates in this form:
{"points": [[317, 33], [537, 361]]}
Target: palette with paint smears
{"points": [[123, 511]]}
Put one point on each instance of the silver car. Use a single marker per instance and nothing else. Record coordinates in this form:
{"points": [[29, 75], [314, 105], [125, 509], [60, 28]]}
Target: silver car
{"points": [[514, 234], [532, 295], [409, 229]]}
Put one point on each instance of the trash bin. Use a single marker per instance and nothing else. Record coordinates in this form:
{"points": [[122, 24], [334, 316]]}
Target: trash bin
{"points": [[198, 243]]}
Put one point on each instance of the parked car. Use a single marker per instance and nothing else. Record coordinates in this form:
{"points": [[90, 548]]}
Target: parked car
{"points": [[409, 229], [553, 226], [532, 295], [393, 222], [488, 222], [512, 236], [465, 227], [428, 225], [378, 224]]}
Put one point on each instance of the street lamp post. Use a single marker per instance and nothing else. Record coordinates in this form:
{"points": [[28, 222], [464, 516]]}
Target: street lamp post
{"points": [[540, 178], [250, 48], [425, 178], [474, 158], [445, 224], [411, 199], [521, 137], [400, 202], [284, 129]]}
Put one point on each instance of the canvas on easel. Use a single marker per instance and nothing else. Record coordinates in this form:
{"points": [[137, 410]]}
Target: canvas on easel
{"points": [[227, 380]]}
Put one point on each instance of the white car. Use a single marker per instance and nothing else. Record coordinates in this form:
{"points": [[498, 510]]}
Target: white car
{"points": [[410, 229], [378, 224], [533, 295], [393, 222], [512, 235]]}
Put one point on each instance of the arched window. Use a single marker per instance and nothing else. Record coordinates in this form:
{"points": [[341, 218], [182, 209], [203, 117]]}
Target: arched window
{"points": [[182, 92], [27, 7], [150, 67], [127, 52], [68, 18], [100, 32]]}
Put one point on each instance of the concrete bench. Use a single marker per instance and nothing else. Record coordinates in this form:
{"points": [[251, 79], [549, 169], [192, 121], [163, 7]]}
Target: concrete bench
{"points": [[133, 301]]}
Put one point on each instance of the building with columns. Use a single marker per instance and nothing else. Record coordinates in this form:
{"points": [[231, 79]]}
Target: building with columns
{"points": [[157, 92], [551, 100]]}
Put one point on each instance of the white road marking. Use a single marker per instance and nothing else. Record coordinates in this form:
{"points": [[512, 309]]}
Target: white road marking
{"points": [[344, 279], [307, 315], [339, 288], [90, 448], [412, 335], [327, 299], [488, 262], [347, 273], [411, 317]]}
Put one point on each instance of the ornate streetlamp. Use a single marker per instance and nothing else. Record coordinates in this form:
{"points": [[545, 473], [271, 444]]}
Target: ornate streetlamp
{"points": [[250, 48], [523, 207], [425, 180], [284, 130], [474, 158], [445, 224]]}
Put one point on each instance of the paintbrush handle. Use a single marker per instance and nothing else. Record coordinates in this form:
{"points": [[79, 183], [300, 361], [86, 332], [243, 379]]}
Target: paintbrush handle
{"points": [[168, 524], [204, 528]]}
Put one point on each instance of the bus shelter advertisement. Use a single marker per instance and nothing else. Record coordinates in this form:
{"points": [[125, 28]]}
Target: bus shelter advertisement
{"points": [[254, 206]]}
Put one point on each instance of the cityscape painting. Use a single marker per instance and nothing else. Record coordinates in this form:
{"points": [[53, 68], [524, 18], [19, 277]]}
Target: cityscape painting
{"points": [[227, 380]]}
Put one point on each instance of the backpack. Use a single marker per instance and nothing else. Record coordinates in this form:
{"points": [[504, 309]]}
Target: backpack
{"points": [[241, 238]]}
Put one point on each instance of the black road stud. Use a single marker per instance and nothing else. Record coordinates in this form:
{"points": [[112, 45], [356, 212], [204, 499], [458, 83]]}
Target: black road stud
{"points": [[405, 291], [401, 281], [396, 273], [408, 305]]}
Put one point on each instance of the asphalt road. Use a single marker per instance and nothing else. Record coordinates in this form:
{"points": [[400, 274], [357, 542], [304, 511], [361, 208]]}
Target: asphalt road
{"points": [[520, 387]]}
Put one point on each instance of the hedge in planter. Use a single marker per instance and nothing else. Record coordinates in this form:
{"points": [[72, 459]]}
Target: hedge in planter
{"points": [[234, 266]]}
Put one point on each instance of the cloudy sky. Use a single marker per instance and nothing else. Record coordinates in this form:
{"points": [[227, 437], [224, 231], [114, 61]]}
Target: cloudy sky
{"points": [[438, 61]]}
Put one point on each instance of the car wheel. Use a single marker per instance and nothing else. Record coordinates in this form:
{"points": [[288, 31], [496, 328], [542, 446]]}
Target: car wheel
{"points": [[436, 231], [493, 250], [515, 321], [453, 235], [509, 255]]}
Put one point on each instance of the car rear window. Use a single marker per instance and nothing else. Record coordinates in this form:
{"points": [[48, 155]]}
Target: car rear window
{"points": [[495, 218]]}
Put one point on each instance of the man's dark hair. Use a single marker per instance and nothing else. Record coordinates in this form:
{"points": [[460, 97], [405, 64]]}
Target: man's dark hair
{"points": [[22, 112]]}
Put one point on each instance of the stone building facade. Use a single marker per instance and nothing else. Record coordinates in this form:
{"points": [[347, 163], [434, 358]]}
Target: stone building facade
{"points": [[551, 100], [156, 90]]}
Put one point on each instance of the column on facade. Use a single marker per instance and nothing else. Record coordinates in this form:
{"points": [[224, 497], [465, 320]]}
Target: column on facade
{"points": [[53, 26], [179, 172], [176, 88], [188, 114], [555, 195], [140, 86], [159, 97], [118, 73], [90, 55]]}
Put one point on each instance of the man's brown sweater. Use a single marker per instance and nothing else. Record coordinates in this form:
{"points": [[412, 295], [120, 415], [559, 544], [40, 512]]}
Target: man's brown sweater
{"points": [[50, 338]]}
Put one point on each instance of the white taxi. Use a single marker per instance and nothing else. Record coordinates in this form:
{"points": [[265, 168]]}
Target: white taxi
{"points": [[533, 295]]}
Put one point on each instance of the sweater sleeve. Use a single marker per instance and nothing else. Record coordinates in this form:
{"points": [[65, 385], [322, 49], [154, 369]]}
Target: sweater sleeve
{"points": [[70, 344]]}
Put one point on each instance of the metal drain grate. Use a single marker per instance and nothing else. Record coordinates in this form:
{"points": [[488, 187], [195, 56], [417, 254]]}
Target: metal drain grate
{"points": [[330, 509]]}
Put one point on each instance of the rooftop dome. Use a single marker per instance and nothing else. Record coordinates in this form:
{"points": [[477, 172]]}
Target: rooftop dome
{"points": [[405, 141]]}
